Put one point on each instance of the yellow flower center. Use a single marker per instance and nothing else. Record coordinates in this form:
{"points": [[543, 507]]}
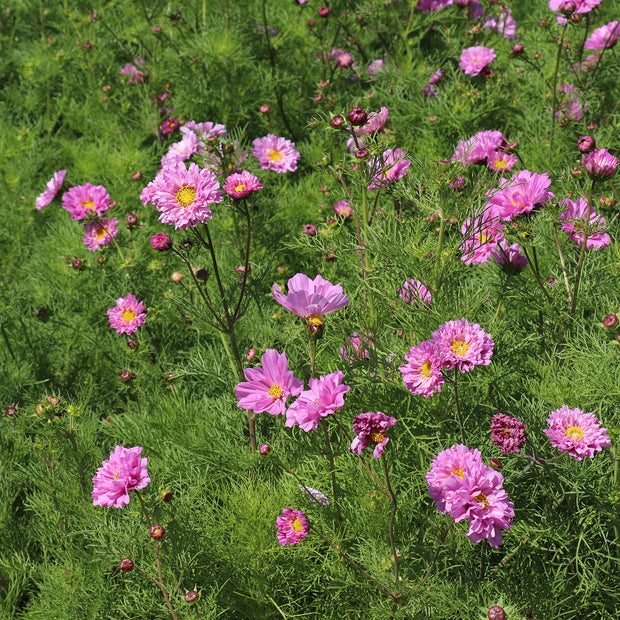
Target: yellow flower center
{"points": [[376, 436], [459, 347], [500, 164], [274, 155], [483, 237], [297, 525], [316, 320], [275, 391], [100, 233], [240, 187], [575, 432], [481, 498], [88, 204], [426, 368], [116, 475], [186, 195], [128, 315], [459, 472]]}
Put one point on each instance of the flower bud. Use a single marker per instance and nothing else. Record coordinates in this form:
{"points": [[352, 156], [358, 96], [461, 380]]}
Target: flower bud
{"points": [[611, 320], [132, 219], [177, 276], [323, 11], [10, 410], [265, 109], [161, 242], [496, 613], [157, 532], [495, 463], [126, 565], [357, 117], [362, 153], [310, 230], [125, 375], [165, 494], [264, 449], [136, 176], [190, 596], [517, 48], [250, 355], [567, 7], [76, 263]]}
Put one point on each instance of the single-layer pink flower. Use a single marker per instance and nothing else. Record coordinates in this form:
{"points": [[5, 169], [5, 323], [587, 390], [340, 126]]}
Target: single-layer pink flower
{"points": [[519, 195], [574, 223], [599, 164], [241, 185], [392, 168], [478, 147], [428, 6], [605, 36], [355, 347], [123, 472], [54, 185], [474, 59], [510, 257], [371, 430], [267, 388], [463, 345], [99, 233], [413, 291], [422, 372], [507, 433], [581, 6], [578, 433], [343, 208], [85, 200], [481, 237], [275, 153], [501, 161], [127, 315], [292, 526]]}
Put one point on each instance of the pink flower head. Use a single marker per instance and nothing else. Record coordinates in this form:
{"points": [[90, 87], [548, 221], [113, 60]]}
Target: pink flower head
{"points": [[135, 75], [507, 433], [86, 200], [478, 147], [437, 75], [413, 291], [99, 233], [127, 315], [501, 161], [581, 6], [454, 463], [311, 299], [482, 234], [474, 59], [54, 185], [375, 123], [169, 125], [574, 223], [520, 194], [355, 347], [292, 526], [277, 154], [371, 429], [422, 372], [605, 36], [205, 132], [571, 108], [183, 195], [267, 388], [510, 257], [325, 396], [504, 24], [393, 168], [428, 6], [375, 68], [181, 151], [590, 62], [241, 185], [342, 58], [463, 345], [123, 472], [599, 164], [343, 208], [578, 433]]}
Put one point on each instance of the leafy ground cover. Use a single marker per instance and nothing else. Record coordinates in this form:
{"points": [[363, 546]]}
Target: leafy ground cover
{"points": [[309, 311]]}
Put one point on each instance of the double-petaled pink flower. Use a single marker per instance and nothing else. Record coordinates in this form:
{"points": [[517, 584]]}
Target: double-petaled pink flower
{"points": [[99, 233], [463, 345], [475, 59], [127, 315], [276, 153], [478, 147], [371, 430], [508, 433], [422, 372], [86, 200], [241, 185], [292, 526]]}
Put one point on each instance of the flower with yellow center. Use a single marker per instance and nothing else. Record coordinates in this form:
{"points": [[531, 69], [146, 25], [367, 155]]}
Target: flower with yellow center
{"points": [[274, 155], [241, 187], [575, 432], [129, 315], [426, 368], [459, 472], [459, 347], [88, 204], [481, 498], [275, 391], [185, 196], [297, 525], [377, 436]]}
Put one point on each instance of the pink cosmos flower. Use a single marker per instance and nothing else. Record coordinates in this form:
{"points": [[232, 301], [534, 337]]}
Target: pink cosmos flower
{"points": [[599, 164], [99, 233], [520, 194], [428, 6], [54, 185], [86, 200], [267, 388], [571, 108], [422, 372], [275, 153], [343, 208], [393, 168], [355, 347], [578, 433], [169, 125], [501, 162], [375, 123], [311, 299], [375, 68], [478, 147], [205, 132], [510, 257], [127, 315], [474, 59], [413, 291], [574, 223], [482, 235], [504, 24], [371, 429], [181, 151], [605, 36], [342, 58], [123, 472], [135, 75], [292, 526], [581, 6], [507, 433], [463, 345], [241, 185], [183, 195], [325, 396]]}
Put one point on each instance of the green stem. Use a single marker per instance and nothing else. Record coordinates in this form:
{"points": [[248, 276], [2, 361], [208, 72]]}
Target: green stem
{"points": [[555, 88], [332, 470], [438, 258], [615, 494], [582, 254], [392, 516], [456, 404]]}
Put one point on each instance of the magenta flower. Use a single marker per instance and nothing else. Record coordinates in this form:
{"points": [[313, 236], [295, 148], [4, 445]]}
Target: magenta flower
{"points": [[578, 433], [392, 168], [504, 24], [520, 194], [474, 59], [99, 233], [54, 185], [325, 396], [574, 223], [590, 62], [599, 164], [135, 75], [241, 185], [355, 347], [374, 123], [169, 125], [478, 147], [123, 472], [342, 58], [581, 6], [428, 6], [422, 372], [277, 154], [413, 291], [183, 195], [292, 526], [127, 315], [267, 388], [343, 208], [510, 257], [86, 200], [501, 162], [507, 433], [605, 36], [161, 242], [463, 345], [371, 429], [482, 236]]}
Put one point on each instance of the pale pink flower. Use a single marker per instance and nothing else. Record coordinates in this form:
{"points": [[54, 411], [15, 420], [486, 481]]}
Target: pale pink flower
{"points": [[501, 161], [292, 526], [54, 185], [275, 153], [342, 58], [127, 315], [605, 36], [600, 164], [474, 59], [504, 24], [463, 345], [590, 62], [86, 200], [99, 233], [181, 151], [574, 223], [371, 430], [482, 234], [343, 208], [413, 291], [422, 372], [241, 185], [520, 194], [205, 132], [391, 169], [478, 147]]}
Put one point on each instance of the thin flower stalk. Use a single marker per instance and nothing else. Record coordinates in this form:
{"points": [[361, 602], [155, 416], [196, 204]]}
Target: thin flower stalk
{"points": [[555, 87], [582, 253], [561, 257], [392, 498]]}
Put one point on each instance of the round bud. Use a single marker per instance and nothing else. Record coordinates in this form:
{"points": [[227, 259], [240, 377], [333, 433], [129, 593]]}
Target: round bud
{"points": [[265, 109], [165, 494], [567, 7], [157, 532], [611, 320], [362, 153], [133, 343], [496, 613], [495, 463], [323, 11], [250, 355], [310, 230], [202, 274], [357, 116], [10, 410], [177, 276], [518, 48], [264, 449], [336, 121], [132, 219], [229, 148], [161, 242], [191, 596], [136, 176], [126, 565], [125, 375]]}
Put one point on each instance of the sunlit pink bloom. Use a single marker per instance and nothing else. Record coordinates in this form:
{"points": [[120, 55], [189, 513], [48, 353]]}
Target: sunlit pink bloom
{"points": [[504, 24], [355, 347], [474, 59], [393, 168], [478, 147], [181, 151], [376, 121], [325, 396], [510, 257], [582, 6], [578, 433], [127, 315], [99, 233], [454, 462], [343, 208], [591, 61], [54, 185], [571, 108], [463, 345], [371, 430], [482, 235], [241, 185], [275, 153], [123, 472], [375, 68], [135, 75], [574, 223], [267, 388], [413, 291], [605, 36], [519, 194], [599, 164], [85, 200], [342, 58], [292, 526], [422, 372], [205, 132], [507, 433], [428, 6], [501, 161]]}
